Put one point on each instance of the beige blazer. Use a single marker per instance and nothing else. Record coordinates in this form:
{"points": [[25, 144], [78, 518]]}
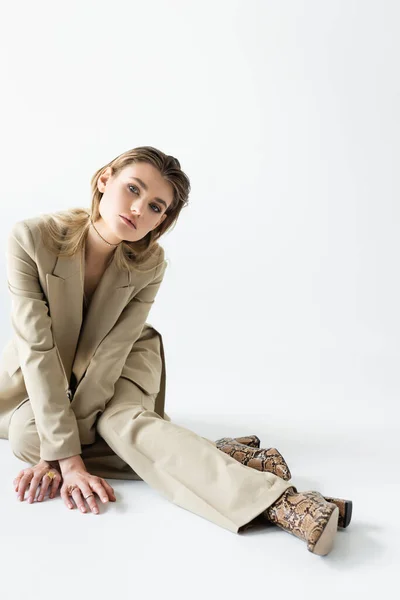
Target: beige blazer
{"points": [[49, 347]]}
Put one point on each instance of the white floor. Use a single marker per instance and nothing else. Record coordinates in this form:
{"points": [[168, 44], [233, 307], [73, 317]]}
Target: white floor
{"points": [[143, 544]]}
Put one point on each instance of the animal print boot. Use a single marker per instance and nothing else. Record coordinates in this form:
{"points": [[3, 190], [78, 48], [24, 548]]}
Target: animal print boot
{"points": [[269, 459], [248, 440], [308, 516], [264, 459]]}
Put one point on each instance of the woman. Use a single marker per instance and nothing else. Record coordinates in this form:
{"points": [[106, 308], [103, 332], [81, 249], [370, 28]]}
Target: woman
{"points": [[82, 382]]}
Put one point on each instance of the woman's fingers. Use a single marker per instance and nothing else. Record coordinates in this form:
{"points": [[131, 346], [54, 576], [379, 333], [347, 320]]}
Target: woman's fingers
{"points": [[36, 479], [44, 484], [23, 484], [66, 497], [22, 481], [33, 478], [55, 483], [88, 495], [86, 486], [77, 496], [97, 486], [17, 480], [109, 490]]}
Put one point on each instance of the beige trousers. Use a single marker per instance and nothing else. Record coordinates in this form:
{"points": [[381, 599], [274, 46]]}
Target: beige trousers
{"points": [[187, 469]]}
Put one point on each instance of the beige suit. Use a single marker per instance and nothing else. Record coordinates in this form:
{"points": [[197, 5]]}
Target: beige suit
{"points": [[95, 386]]}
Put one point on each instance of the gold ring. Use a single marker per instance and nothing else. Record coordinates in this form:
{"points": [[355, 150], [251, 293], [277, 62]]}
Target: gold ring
{"points": [[50, 474], [70, 489]]}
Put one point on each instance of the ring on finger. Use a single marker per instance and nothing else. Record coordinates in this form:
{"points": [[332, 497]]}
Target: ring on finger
{"points": [[70, 489]]}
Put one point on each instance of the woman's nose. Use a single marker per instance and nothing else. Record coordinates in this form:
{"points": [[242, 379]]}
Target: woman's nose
{"points": [[136, 209]]}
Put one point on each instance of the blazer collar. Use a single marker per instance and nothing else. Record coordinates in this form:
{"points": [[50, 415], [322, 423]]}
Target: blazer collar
{"points": [[77, 340]]}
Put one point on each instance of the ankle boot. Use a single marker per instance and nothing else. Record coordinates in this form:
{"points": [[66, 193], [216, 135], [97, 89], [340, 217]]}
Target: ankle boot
{"points": [[264, 459], [248, 440], [308, 516], [269, 459]]}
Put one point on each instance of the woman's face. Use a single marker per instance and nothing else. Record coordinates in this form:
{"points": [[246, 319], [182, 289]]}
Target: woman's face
{"points": [[144, 201]]}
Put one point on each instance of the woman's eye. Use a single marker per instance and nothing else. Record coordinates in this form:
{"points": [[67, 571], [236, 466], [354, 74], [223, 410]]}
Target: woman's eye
{"points": [[152, 205]]}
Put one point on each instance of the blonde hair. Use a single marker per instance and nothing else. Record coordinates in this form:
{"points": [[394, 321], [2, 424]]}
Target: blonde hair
{"points": [[77, 220]]}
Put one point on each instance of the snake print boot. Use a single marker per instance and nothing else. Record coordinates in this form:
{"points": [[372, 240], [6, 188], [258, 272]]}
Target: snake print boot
{"points": [[308, 516], [264, 459], [269, 459], [248, 440]]}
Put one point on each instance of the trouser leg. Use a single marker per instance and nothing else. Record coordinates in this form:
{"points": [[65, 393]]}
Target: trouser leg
{"points": [[184, 467], [187, 469], [22, 434], [99, 459]]}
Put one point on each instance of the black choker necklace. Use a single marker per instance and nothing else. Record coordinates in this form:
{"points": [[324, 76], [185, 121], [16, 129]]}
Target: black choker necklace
{"points": [[91, 220]]}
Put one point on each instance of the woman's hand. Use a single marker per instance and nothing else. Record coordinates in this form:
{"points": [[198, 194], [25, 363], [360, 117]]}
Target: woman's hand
{"points": [[85, 484], [35, 476]]}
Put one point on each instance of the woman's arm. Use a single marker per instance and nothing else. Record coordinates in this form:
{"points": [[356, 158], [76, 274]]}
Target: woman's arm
{"points": [[40, 362], [71, 463]]}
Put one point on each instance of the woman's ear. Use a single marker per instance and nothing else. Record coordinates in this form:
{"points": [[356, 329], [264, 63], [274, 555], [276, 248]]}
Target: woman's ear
{"points": [[103, 178]]}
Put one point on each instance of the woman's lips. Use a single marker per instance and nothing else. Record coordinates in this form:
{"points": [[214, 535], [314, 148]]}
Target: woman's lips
{"points": [[128, 223]]}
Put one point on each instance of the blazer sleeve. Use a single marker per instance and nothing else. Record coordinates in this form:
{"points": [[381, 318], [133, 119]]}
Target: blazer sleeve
{"points": [[108, 361], [40, 362]]}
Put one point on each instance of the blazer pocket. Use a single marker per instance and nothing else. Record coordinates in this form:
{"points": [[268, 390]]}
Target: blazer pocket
{"points": [[10, 358]]}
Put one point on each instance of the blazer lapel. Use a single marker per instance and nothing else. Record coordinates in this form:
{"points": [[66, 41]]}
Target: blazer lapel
{"points": [[76, 339]]}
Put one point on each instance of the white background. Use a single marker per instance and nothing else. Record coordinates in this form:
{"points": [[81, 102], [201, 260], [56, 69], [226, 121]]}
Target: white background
{"points": [[279, 309]]}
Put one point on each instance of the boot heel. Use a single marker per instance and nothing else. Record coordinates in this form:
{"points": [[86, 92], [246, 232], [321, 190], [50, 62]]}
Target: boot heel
{"points": [[345, 510]]}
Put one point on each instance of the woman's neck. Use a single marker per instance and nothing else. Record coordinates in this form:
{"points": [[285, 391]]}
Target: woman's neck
{"points": [[97, 251]]}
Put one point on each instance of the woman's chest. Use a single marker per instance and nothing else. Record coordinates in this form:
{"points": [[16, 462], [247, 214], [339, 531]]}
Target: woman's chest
{"points": [[90, 285], [92, 277]]}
